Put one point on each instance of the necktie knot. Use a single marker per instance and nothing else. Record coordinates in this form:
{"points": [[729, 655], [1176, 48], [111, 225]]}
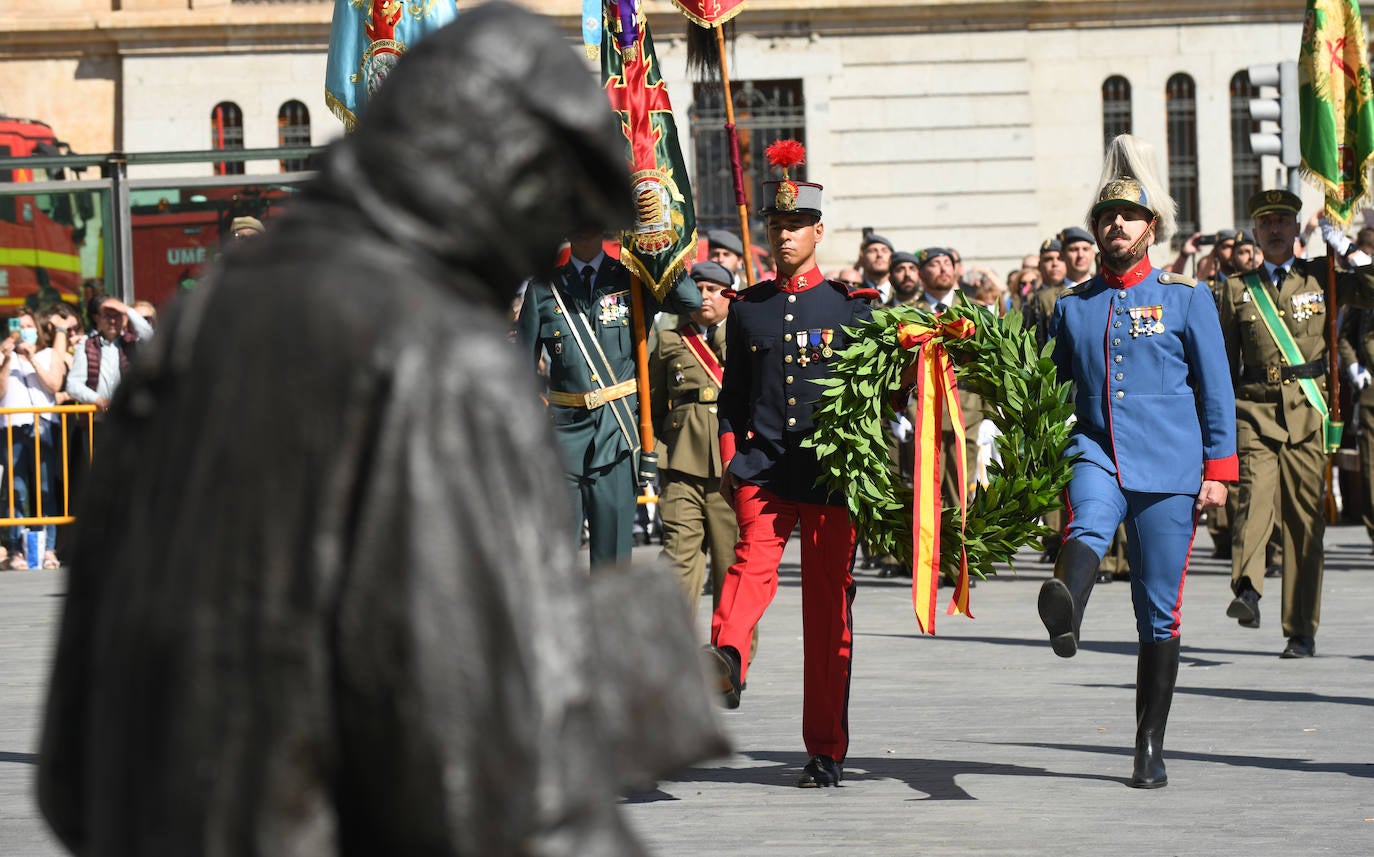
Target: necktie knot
{"points": [[588, 272], [1279, 275]]}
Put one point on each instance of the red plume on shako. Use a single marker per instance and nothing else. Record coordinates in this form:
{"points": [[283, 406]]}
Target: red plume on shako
{"points": [[790, 195]]}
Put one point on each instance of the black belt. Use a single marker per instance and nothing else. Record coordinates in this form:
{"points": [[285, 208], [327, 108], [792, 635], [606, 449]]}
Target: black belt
{"points": [[701, 394], [1273, 374]]}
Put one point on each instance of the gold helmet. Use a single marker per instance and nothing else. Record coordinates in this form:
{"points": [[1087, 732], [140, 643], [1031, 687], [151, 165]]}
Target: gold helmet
{"points": [[1128, 176]]}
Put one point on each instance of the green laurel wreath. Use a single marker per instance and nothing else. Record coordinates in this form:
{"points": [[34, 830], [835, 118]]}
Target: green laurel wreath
{"points": [[1003, 364]]}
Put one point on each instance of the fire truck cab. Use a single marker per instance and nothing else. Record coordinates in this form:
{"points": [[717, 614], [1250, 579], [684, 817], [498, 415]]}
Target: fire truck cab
{"points": [[40, 234]]}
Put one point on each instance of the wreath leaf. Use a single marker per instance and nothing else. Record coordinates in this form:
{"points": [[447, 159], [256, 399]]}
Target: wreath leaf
{"points": [[1004, 365]]}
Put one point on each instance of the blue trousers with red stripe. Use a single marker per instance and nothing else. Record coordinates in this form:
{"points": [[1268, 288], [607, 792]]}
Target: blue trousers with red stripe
{"points": [[1159, 533]]}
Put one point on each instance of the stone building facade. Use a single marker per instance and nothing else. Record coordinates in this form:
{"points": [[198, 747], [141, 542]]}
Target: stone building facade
{"points": [[974, 125]]}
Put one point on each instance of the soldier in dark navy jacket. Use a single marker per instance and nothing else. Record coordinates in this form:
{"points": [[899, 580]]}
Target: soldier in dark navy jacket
{"points": [[1155, 435], [782, 335]]}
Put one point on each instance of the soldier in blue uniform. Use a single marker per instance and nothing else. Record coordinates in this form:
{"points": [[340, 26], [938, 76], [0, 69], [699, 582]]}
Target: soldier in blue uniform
{"points": [[1155, 433], [783, 334], [582, 321]]}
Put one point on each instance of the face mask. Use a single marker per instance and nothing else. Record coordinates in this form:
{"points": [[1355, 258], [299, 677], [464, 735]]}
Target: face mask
{"points": [[29, 335]]}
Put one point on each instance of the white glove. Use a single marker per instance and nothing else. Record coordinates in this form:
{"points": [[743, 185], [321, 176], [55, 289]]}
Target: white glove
{"points": [[901, 429], [1358, 258], [1359, 376], [1336, 240], [987, 432]]}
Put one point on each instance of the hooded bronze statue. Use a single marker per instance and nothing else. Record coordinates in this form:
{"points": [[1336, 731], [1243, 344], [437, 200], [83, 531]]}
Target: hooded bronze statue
{"points": [[321, 600]]}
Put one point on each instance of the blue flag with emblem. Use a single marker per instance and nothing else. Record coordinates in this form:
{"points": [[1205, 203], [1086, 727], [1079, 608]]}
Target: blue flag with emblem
{"points": [[366, 40]]}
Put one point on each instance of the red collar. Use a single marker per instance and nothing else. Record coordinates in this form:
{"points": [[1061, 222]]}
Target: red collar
{"points": [[1131, 277], [802, 282]]}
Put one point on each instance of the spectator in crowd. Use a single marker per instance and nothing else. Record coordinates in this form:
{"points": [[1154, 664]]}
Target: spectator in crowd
{"points": [[1079, 253], [1021, 284], [26, 381], [1040, 304], [245, 227], [875, 262], [99, 366], [1247, 255], [848, 276], [727, 250], [148, 311], [905, 277]]}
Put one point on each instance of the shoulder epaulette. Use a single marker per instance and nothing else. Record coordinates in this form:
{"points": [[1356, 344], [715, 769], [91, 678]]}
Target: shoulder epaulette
{"points": [[1167, 277], [756, 292], [861, 293], [1069, 290]]}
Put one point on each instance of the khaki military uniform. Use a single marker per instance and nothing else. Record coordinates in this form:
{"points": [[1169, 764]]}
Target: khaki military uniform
{"points": [[1279, 433], [696, 518], [1356, 345]]}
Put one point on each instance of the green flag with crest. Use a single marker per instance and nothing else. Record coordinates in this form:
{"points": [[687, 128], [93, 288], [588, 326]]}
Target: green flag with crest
{"points": [[1336, 104]]}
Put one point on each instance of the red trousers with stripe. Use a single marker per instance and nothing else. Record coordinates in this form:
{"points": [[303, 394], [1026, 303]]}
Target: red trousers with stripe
{"points": [[827, 584]]}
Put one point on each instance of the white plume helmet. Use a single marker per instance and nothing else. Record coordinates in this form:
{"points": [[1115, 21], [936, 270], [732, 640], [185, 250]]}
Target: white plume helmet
{"points": [[1129, 175]]}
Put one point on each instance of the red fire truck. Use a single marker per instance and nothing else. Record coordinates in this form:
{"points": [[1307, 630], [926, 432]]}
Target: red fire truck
{"points": [[40, 234]]}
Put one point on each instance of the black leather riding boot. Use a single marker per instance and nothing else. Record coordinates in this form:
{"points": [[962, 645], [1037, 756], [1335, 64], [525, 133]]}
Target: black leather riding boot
{"points": [[1156, 673], [1063, 597]]}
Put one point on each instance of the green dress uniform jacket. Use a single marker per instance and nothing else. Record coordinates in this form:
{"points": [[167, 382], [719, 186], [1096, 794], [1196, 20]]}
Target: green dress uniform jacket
{"points": [[598, 441], [592, 438], [1279, 433]]}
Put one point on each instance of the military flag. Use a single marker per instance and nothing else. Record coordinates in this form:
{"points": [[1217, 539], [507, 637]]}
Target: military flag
{"points": [[366, 39], [709, 13], [1336, 104], [665, 231]]}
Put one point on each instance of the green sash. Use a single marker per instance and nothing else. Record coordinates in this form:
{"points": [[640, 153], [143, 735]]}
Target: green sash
{"points": [[1331, 432]]}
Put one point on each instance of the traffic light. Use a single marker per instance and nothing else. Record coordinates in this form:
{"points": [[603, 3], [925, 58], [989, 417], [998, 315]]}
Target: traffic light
{"points": [[1282, 110]]}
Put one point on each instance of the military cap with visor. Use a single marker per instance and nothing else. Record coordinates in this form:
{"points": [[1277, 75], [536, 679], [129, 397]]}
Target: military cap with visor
{"points": [[1270, 201]]}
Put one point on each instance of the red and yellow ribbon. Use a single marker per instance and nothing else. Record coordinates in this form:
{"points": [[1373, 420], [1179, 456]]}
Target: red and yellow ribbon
{"points": [[936, 391]]}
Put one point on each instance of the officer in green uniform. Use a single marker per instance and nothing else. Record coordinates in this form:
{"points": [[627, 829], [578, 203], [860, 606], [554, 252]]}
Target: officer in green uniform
{"points": [[1274, 321], [685, 374], [582, 321], [1357, 356]]}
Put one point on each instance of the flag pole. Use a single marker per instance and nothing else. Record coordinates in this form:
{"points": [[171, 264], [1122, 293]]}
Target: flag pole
{"points": [[736, 169], [641, 340], [1334, 376]]}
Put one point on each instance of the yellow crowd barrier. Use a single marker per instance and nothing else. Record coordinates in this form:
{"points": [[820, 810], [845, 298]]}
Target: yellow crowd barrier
{"points": [[60, 435]]}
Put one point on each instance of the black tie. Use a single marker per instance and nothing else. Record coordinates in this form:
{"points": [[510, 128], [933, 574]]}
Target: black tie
{"points": [[1279, 275], [588, 272]]}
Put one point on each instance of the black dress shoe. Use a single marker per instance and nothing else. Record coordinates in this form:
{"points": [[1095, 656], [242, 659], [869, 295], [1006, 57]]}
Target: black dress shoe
{"points": [[820, 772], [1244, 608], [1299, 647], [724, 664]]}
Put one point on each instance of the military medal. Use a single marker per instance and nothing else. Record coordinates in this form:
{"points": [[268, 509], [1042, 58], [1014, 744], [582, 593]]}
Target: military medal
{"points": [[1156, 313], [677, 376], [802, 357], [1135, 312], [826, 336], [1307, 305], [557, 348], [813, 341]]}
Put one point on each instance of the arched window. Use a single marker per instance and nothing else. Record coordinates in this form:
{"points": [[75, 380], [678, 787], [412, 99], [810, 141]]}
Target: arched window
{"points": [[1180, 106], [1116, 108], [1245, 164], [226, 132], [293, 129]]}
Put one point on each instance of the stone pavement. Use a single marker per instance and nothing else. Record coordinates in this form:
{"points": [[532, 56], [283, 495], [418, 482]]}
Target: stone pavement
{"points": [[975, 742]]}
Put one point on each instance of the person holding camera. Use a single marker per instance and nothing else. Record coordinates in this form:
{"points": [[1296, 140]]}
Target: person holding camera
{"points": [[29, 378]]}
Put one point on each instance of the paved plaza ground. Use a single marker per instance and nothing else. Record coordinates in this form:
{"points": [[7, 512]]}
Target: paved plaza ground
{"points": [[977, 741]]}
